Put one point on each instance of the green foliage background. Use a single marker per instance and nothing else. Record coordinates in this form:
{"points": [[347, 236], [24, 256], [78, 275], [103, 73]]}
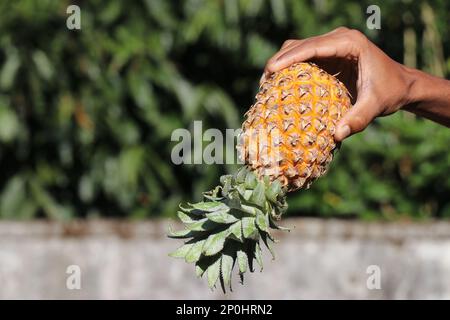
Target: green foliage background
{"points": [[86, 116]]}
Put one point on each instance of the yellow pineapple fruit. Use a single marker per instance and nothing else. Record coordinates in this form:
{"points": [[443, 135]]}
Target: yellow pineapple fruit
{"points": [[288, 134], [286, 143]]}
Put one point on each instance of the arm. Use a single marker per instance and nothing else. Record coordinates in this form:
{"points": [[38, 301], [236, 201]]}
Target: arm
{"points": [[379, 85], [430, 97]]}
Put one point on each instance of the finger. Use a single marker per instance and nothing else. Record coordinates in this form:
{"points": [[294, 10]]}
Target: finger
{"points": [[291, 44], [339, 30], [336, 46], [263, 78], [357, 118], [284, 49], [287, 43]]}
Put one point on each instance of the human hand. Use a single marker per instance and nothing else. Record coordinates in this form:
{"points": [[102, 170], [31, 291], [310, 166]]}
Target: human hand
{"points": [[379, 85]]}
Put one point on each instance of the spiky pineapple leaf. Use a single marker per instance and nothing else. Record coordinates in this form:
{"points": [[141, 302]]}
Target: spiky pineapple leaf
{"points": [[181, 234], [233, 203], [249, 228], [258, 197], [241, 276], [201, 225], [226, 178], [226, 227], [226, 269], [262, 221], [202, 264], [211, 197], [250, 181], [258, 256], [242, 261], [208, 206], [185, 218], [267, 239], [221, 216], [226, 182], [250, 209], [273, 225], [241, 189], [194, 254], [240, 175], [215, 242], [247, 195], [250, 252], [273, 191], [185, 209], [213, 273], [199, 271], [236, 231], [182, 251]]}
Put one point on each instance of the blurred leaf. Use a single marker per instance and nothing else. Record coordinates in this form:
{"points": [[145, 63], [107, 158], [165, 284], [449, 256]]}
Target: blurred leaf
{"points": [[43, 65], [9, 124], [9, 70]]}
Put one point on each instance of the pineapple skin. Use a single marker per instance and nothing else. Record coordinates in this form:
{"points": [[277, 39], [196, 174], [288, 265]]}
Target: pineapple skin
{"points": [[288, 134]]}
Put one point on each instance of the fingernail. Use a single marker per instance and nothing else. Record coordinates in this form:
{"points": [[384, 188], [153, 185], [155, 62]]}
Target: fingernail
{"points": [[343, 132], [263, 78]]}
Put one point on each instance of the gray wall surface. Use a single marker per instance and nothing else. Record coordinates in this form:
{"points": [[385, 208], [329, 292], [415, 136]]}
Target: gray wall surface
{"points": [[325, 259]]}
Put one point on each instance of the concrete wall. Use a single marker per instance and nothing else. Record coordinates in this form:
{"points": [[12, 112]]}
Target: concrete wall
{"points": [[318, 259]]}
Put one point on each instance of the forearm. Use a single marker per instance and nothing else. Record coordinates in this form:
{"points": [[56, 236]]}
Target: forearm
{"points": [[429, 96]]}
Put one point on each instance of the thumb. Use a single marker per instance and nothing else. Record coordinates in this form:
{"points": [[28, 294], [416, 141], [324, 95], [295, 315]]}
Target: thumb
{"points": [[356, 119]]}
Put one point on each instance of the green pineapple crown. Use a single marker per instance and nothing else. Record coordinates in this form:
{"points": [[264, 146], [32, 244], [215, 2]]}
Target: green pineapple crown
{"points": [[229, 225]]}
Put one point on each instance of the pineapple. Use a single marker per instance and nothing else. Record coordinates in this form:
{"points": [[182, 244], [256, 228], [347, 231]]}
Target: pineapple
{"points": [[286, 143]]}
